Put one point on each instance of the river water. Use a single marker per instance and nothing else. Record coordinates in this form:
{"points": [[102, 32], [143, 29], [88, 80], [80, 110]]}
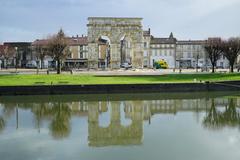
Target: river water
{"points": [[172, 126]]}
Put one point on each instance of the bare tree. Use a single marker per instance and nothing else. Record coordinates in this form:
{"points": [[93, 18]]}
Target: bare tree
{"points": [[58, 48], [213, 48], [231, 50], [8, 52], [41, 52]]}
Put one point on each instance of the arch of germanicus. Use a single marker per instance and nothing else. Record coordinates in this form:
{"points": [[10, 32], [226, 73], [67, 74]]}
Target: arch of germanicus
{"points": [[116, 30]]}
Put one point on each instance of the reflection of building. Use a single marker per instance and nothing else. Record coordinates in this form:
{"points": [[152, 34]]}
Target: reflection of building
{"points": [[126, 118]]}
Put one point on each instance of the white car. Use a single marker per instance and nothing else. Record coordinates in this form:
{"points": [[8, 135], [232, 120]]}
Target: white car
{"points": [[31, 64], [126, 65]]}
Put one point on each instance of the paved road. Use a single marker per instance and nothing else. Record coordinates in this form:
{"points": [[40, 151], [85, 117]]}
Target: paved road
{"points": [[110, 72]]}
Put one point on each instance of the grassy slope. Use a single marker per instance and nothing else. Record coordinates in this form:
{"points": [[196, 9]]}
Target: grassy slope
{"points": [[90, 79]]}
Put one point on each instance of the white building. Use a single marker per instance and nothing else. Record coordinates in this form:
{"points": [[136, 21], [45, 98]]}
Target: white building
{"points": [[190, 54], [163, 49]]}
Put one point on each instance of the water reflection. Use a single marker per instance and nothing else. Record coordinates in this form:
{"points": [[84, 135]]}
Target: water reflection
{"points": [[126, 117], [229, 116], [2, 124]]}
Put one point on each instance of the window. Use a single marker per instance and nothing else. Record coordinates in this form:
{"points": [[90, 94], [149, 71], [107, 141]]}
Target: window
{"points": [[145, 44], [81, 54], [145, 53]]}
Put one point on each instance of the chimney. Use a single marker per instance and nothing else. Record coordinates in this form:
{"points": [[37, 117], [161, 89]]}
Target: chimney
{"points": [[77, 35], [82, 35], [149, 30]]}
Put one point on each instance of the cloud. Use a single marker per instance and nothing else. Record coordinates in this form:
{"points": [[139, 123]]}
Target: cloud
{"points": [[163, 16]]}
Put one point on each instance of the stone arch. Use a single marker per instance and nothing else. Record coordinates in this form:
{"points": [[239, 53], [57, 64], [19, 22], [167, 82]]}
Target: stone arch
{"points": [[126, 50], [115, 28], [104, 49]]}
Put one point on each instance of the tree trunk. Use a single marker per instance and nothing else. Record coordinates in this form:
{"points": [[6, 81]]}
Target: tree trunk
{"points": [[231, 68], [42, 63], [213, 68], [58, 66]]}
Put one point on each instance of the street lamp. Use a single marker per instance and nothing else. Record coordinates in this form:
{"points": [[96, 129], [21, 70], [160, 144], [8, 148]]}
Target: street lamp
{"points": [[197, 62], [16, 58]]}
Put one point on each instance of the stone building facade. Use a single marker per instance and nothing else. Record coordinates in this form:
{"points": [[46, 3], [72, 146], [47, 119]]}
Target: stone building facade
{"points": [[112, 41], [163, 49], [79, 52], [190, 54], [15, 54], [77, 59]]}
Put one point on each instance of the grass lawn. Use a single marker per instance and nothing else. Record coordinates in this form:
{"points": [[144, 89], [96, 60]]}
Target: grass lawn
{"points": [[14, 80]]}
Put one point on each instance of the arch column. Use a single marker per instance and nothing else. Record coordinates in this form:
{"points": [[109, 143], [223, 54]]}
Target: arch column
{"points": [[93, 57], [137, 57], [115, 55]]}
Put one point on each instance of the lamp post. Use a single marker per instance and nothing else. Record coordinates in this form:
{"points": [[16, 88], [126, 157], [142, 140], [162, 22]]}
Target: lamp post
{"points": [[16, 58], [197, 62]]}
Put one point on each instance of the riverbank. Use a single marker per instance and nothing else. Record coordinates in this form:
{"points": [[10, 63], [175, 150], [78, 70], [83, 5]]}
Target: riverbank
{"points": [[119, 88], [89, 79]]}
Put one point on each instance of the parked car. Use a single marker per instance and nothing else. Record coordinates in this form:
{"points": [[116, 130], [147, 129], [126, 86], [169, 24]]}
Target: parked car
{"points": [[126, 65], [31, 65]]}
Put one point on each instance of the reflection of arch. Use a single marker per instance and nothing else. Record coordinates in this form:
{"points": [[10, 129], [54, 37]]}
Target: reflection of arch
{"points": [[104, 118], [115, 133], [124, 120]]}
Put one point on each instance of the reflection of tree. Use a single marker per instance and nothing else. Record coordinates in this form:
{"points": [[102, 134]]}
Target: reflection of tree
{"points": [[60, 126], [40, 111], [216, 119], [231, 117], [212, 120], [9, 109], [2, 124]]}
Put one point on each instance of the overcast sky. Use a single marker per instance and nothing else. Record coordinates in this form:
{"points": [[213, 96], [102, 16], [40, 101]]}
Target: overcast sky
{"points": [[27, 20]]}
